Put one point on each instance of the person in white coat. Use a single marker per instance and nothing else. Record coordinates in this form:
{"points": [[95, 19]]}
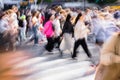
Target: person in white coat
{"points": [[58, 31], [80, 33]]}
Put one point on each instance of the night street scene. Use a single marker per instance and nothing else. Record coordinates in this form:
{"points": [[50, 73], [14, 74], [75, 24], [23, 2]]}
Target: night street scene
{"points": [[59, 39]]}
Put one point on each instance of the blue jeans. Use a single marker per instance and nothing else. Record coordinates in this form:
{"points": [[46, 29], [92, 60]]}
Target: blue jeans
{"points": [[36, 34]]}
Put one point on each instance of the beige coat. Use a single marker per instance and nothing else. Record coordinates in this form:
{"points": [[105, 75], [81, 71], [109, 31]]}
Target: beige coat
{"points": [[80, 30], [109, 67]]}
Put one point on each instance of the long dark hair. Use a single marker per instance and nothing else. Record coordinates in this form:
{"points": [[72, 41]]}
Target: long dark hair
{"points": [[68, 17], [77, 18], [47, 17]]}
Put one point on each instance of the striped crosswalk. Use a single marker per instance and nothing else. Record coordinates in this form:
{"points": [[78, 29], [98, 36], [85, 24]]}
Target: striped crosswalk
{"points": [[35, 63]]}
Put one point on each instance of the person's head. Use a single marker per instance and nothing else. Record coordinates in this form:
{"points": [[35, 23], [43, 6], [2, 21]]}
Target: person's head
{"points": [[10, 13], [68, 17], [68, 10], [88, 9], [58, 8], [57, 15], [35, 14], [14, 8], [49, 16]]}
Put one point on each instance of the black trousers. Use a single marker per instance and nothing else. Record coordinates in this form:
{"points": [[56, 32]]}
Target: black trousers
{"points": [[57, 41], [50, 44], [83, 43]]}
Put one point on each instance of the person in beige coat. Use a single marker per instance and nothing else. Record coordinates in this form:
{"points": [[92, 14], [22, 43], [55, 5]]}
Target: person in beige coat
{"points": [[109, 67]]}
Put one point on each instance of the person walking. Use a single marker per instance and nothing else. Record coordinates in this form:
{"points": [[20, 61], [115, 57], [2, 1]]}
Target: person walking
{"points": [[109, 66], [49, 32], [67, 33], [58, 31], [80, 33]]}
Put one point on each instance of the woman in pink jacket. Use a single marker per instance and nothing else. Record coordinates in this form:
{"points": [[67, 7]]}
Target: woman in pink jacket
{"points": [[49, 32]]}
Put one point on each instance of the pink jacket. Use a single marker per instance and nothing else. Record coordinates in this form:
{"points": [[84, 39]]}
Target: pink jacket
{"points": [[48, 29]]}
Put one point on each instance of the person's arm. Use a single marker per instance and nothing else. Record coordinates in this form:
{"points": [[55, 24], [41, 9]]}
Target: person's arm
{"points": [[46, 27], [115, 58], [64, 28], [72, 31], [108, 55], [110, 58]]}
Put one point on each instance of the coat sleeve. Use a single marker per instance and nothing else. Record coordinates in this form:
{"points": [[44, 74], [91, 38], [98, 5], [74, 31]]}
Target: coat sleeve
{"points": [[64, 28], [108, 55], [46, 27]]}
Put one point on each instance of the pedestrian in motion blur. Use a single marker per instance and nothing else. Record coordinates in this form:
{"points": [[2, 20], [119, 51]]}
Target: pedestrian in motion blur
{"points": [[49, 32], [109, 67], [80, 33], [67, 33]]}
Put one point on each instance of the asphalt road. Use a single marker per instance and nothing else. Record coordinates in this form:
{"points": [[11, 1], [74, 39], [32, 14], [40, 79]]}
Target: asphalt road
{"points": [[31, 62]]}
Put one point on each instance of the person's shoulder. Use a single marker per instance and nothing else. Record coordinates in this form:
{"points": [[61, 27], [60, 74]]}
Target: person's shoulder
{"points": [[48, 22]]}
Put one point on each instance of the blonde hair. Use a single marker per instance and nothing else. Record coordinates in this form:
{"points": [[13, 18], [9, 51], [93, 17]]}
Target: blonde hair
{"points": [[58, 8], [10, 11]]}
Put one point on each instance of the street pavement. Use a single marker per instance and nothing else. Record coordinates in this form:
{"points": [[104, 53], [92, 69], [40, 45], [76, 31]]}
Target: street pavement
{"points": [[33, 62]]}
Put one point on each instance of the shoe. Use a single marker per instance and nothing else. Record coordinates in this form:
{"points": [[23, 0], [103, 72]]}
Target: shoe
{"points": [[90, 56], [36, 45], [92, 61], [74, 58]]}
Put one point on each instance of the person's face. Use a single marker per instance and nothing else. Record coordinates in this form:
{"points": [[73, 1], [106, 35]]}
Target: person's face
{"points": [[15, 9], [88, 10]]}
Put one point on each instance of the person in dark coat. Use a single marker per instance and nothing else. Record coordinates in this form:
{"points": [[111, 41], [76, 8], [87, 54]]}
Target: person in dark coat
{"points": [[67, 34]]}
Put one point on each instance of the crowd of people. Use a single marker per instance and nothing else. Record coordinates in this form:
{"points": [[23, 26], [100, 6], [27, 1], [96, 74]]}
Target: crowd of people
{"points": [[65, 29]]}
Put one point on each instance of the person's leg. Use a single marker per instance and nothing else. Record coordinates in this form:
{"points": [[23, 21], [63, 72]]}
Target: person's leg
{"points": [[52, 43], [36, 40], [59, 41], [85, 47], [36, 37], [49, 44], [76, 45], [24, 33], [13, 39]]}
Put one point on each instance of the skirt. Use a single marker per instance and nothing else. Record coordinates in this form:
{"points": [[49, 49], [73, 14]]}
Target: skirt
{"points": [[67, 42]]}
